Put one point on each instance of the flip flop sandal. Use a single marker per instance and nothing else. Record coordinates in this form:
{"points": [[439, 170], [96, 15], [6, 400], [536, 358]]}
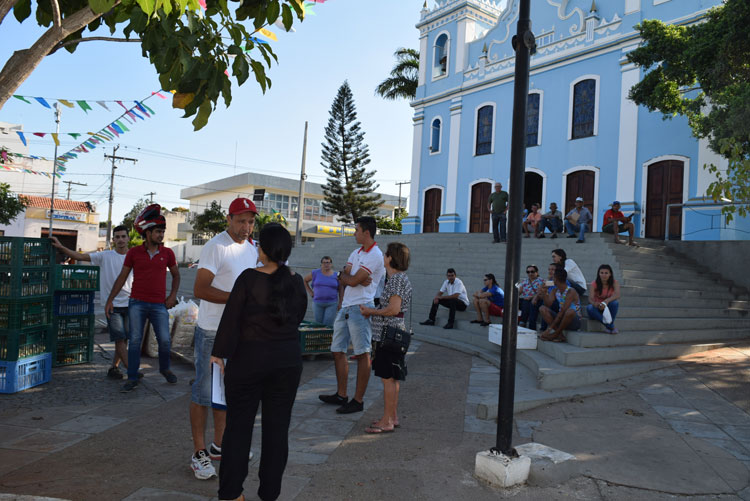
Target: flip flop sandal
{"points": [[374, 423], [559, 338], [377, 429]]}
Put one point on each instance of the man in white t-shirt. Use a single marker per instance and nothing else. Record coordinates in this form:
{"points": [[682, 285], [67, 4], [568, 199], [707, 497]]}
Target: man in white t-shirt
{"points": [[110, 264], [452, 295], [222, 260], [361, 276]]}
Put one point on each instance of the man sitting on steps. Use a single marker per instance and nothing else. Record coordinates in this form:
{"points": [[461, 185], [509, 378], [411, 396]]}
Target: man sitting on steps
{"points": [[452, 295]]}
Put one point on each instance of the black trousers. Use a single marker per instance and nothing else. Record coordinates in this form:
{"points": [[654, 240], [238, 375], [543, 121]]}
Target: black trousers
{"points": [[276, 390], [451, 304]]}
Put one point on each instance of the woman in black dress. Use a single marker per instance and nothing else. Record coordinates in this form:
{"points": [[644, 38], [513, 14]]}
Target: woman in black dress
{"points": [[259, 336]]}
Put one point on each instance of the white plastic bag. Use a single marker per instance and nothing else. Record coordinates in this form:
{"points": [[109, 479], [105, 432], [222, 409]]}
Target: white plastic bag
{"points": [[606, 316]]}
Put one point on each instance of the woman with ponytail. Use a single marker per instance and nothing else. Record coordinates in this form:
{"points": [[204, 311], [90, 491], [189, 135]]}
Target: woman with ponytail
{"points": [[259, 337]]}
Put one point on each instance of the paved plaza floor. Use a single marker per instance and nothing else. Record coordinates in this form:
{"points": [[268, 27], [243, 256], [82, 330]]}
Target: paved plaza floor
{"points": [[667, 434]]}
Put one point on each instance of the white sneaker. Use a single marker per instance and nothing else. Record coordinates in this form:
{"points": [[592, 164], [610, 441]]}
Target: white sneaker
{"points": [[202, 466], [214, 451]]}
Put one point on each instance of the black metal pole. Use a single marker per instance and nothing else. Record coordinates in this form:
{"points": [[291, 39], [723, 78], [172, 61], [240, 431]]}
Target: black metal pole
{"points": [[524, 45]]}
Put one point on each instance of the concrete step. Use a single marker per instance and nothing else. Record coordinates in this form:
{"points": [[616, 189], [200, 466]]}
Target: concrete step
{"points": [[673, 284], [570, 355], [692, 293], [584, 339], [673, 323]]}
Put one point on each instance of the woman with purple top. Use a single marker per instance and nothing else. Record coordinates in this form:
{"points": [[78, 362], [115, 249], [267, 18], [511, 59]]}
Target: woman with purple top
{"points": [[324, 291]]}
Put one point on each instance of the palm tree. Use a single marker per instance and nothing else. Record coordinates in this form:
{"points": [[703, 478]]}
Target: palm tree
{"points": [[404, 76]]}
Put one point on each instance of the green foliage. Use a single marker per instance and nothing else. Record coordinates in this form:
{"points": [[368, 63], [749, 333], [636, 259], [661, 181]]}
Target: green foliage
{"points": [[702, 72], [212, 222], [392, 224], [180, 209], [190, 48], [135, 238], [11, 205], [350, 190], [404, 79], [262, 219], [129, 218]]}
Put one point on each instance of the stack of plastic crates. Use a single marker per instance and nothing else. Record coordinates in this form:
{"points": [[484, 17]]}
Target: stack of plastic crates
{"points": [[25, 312], [74, 321]]}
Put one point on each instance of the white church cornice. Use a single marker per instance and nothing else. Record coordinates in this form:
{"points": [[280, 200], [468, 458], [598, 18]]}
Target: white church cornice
{"points": [[446, 11]]}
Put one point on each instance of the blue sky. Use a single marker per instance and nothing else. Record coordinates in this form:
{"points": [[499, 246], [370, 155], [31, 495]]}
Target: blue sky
{"points": [[346, 40]]}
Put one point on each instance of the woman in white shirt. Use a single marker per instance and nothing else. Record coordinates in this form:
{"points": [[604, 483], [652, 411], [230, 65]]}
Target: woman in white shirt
{"points": [[575, 275]]}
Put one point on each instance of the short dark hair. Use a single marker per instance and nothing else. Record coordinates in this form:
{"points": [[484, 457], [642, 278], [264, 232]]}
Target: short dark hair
{"points": [[121, 227], [450, 270], [561, 275], [326, 257], [399, 254], [368, 223]]}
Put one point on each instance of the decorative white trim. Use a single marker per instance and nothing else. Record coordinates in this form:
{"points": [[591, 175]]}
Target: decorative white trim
{"points": [[541, 114], [453, 155], [424, 199], [494, 122], [627, 145], [468, 200], [595, 212], [434, 65], [659, 2], [644, 186], [632, 6], [543, 201], [416, 158], [422, 61], [596, 104], [440, 136]]}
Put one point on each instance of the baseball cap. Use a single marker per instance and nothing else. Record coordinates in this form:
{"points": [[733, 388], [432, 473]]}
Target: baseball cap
{"points": [[615, 203], [240, 205], [579, 199]]}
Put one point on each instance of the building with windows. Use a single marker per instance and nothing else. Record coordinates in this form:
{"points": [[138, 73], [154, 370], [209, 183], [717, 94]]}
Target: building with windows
{"points": [[584, 137], [272, 194]]}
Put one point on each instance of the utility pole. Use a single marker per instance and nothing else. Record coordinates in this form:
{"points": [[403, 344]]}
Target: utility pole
{"points": [[301, 197], [73, 182], [524, 45], [150, 194], [399, 193], [58, 112], [113, 157]]}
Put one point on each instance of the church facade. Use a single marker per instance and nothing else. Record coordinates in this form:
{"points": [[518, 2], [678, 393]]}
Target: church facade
{"points": [[584, 137]]}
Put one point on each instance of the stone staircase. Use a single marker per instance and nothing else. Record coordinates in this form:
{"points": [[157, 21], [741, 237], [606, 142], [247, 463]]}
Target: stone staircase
{"points": [[671, 306]]}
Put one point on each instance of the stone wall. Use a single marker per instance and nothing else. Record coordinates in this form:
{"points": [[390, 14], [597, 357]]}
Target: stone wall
{"points": [[726, 258]]}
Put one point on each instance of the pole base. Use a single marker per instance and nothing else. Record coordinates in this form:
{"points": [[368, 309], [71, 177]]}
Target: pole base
{"points": [[500, 470]]}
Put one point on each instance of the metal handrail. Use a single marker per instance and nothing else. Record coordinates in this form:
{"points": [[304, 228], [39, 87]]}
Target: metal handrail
{"points": [[688, 204]]}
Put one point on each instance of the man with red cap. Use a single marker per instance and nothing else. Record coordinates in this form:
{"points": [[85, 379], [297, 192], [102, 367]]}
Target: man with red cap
{"points": [[222, 260]]}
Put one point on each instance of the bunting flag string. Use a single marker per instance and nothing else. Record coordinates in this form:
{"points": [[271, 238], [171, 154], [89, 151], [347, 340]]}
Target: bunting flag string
{"points": [[27, 170], [83, 104]]}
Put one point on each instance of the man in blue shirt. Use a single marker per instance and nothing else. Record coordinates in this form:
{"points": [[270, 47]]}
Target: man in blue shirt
{"points": [[578, 220]]}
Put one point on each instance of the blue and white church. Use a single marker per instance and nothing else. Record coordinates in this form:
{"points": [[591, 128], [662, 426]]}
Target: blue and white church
{"points": [[583, 137]]}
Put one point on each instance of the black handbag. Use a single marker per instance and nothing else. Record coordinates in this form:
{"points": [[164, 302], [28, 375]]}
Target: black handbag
{"points": [[395, 340]]}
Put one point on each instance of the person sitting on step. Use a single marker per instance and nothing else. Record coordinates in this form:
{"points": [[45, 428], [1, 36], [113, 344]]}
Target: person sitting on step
{"points": [[575, 275], [615, 219], [606, 293], [528, 290], [451, 295], [552, 220], [542, 298], [532, 223], [578, 220], [569, 315], [488, 301]]}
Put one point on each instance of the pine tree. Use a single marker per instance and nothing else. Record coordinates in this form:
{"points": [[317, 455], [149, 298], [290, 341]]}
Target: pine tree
{"points": [[350, 190]]}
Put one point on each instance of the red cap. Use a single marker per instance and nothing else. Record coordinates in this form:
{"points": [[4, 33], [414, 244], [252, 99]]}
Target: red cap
{"points": [[240, 205]]}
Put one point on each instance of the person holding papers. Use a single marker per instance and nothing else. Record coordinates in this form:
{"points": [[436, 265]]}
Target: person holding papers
{"points": [[258, 335]]}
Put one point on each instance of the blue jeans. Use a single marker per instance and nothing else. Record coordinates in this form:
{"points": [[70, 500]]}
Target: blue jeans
{"points": [[554, 225], [595, 314], [498, 223], [529, 313], [576, 228], [325, 313], [139, 312]]}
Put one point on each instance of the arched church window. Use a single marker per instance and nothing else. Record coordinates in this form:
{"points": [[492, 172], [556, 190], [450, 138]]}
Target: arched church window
{"points": [[435, 138], [532, 119], [484, 130], [584, 108], [440, 56]]}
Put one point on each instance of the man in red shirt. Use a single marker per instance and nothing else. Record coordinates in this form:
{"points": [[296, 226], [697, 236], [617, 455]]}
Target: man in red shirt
{"points": [[149, 263], [613, 217]]}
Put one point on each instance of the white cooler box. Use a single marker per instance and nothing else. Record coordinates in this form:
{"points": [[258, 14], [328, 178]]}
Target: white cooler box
{"points": [[526, 339]]}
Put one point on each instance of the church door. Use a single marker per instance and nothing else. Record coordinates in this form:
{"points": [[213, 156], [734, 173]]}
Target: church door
{"points": [[580, 184], [479, 221], [431, 210], [664, 186], [533, 185]]}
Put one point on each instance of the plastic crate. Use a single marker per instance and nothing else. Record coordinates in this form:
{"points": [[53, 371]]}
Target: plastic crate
{"points": [[73, 328], [21, 251], [76, 278], [25, 282], [315, 338], [25, 373], [22, 343], [74, 303], [73, 352], [23, 313]]}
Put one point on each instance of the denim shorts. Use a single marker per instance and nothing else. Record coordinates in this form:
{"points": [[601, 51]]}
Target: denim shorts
{"points": [[201, 389], [118, 324], [350, 325]]}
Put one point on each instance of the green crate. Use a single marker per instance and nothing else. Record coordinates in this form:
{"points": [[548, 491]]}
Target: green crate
{"points": [[21, 251], [76, 278], [315, 338], [22, 343], [73, 352], [23, 313], [73, 327], [25, 282]]}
